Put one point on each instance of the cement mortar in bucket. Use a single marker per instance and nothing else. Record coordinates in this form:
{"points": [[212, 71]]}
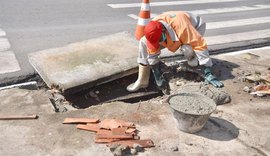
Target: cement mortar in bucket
{"points": [[191, 110]]}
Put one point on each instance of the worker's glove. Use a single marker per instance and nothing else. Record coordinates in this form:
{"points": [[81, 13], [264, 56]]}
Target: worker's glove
{"points": [[187, 52], [210, 78], [161, 82]]}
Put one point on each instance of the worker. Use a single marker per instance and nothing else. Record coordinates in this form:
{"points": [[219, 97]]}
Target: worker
{"points": [[176, 31]]}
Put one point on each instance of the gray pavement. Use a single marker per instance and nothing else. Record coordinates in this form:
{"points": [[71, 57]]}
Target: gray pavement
{"points": [[240, 127]]}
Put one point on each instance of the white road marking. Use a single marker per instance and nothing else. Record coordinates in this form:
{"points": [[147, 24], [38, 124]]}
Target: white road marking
{"points": [[4, 44], [247, 51], [249, 35], [2, 33], [167, 3], [229, 10], [8, 62], [219, 10], [234, 23], [226, 24], [136, 17]]}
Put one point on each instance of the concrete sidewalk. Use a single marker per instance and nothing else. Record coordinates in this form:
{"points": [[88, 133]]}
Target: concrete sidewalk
{"points": [[240, 127]]}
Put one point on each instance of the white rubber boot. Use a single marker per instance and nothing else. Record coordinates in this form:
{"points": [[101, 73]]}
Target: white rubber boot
{"points": [[143, 79]]}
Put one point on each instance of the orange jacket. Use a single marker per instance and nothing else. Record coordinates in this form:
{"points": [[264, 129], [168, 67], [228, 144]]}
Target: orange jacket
{"points": [[186, 33]]}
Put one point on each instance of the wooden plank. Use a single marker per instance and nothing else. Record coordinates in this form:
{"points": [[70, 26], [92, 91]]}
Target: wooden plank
{"points": [[18, 117]]}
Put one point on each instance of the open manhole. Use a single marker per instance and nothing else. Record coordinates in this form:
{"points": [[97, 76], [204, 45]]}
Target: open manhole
{"points": [[108, 92]]}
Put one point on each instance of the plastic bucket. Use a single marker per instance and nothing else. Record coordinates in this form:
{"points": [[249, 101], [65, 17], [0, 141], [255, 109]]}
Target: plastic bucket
{"points": [[191, 110]]}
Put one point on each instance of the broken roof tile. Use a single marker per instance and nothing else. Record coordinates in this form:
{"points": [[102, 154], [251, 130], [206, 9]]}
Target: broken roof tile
{"points": [[115, 123], [88, 127], [97, 140], [130, 130], [119, 131], [79, 120], [108, 134]]}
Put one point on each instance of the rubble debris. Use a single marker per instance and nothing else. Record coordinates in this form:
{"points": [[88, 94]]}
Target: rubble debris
{"points": [[261, 82], [255, 77], [120, 150], [121, 136], [59, 102], [261, 90], [18, 117], [138, 147], [246, 89], [266, 78]]}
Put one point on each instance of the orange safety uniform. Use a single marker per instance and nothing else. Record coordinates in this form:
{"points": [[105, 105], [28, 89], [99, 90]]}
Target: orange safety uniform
{"points": [[182, 28], [181, 23]]}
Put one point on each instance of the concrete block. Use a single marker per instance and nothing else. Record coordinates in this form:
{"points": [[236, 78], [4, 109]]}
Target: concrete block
{"points": [[87, 63]]}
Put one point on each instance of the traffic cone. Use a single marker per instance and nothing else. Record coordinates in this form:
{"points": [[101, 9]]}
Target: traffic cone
{"points": [[144, 18]]}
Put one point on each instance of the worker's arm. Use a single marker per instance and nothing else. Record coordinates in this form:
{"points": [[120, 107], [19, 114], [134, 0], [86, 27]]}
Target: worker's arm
{"points": [[173, 47]]}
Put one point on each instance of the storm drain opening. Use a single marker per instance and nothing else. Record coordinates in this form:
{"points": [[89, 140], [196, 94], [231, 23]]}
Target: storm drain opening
{"points": [[112, 91], [116, 91], [107, 92]]}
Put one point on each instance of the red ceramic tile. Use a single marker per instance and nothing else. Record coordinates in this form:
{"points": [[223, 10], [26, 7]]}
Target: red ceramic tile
{"points": [[89, 127], [105, 140], [115, 123], [119, 131], [107, 134], [131, 130], [79, 120]]}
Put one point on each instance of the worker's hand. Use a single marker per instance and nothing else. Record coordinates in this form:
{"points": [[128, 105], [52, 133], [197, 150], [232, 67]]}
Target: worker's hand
{"points": [[210, 78], [188, 52]]}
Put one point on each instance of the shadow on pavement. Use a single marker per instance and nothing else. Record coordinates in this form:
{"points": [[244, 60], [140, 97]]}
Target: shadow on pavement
{"points": [[223, 69], [219, 129]]}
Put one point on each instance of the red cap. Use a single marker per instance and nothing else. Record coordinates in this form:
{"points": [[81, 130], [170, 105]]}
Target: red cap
{"points": [[153, 32]]}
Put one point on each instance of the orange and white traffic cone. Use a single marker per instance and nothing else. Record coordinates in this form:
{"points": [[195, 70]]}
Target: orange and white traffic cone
{"points": [[144, 18]]}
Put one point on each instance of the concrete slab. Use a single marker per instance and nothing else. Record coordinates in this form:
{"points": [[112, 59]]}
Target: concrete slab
{"points": [[87, 63]]}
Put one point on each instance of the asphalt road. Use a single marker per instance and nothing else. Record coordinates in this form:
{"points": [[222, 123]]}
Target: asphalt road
{"points": [[28, 26]]}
